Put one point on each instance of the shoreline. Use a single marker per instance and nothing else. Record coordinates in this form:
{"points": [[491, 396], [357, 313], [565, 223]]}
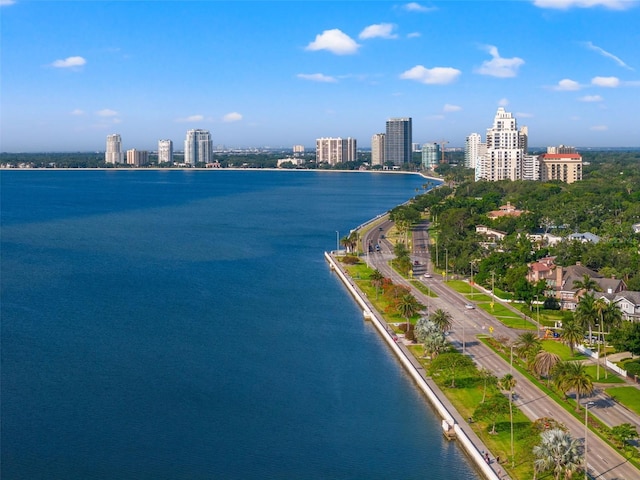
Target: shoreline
{"points": [[473, 448]]}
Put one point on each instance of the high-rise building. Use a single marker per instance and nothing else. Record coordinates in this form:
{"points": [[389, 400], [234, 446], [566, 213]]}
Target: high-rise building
{"points": [[335, 150], [430, 155], [397, 142], [113, 154], [165, 151], [137, 158], [473, 148], [198, 147], [566, 167], [377, 149], [298, 149], [504, 157]]}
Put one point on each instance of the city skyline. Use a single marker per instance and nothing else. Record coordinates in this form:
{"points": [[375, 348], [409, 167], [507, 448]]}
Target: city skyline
{"points": [[278, 74]]}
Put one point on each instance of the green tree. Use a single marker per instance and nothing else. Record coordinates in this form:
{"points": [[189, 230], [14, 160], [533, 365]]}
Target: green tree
{"points": [[442, 319], [544, 362], [452, 363], [572, 334], [624, 433], [527, 346], [559, 452], [508, 383], [585, 285], [376, 278], [573, 377], [586, 313], [487, 378], [408, 306], [626, 338], [496, 407]]}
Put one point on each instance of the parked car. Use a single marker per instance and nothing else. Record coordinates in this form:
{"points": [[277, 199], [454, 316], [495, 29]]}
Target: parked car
{"points": [[427, 275], [469, 306]]}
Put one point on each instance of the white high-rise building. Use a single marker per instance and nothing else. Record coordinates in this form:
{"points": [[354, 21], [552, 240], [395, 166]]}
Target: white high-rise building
{"points": [[473, 148], [335, 150], [506, 145], [377, 149], [114, 154], [198, 147], [165, 151]]}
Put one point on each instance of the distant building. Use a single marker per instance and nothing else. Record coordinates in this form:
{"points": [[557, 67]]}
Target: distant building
{"points": [[298, 150], [430, 155], [415, 147], [137, 158], [398, 140], [531, 167], [566, 167], [507, 210], [198, 147], [114, 154], [165, 151], [377, 149], [335, 150], [506, 147], [473, 148], [561, 149]]}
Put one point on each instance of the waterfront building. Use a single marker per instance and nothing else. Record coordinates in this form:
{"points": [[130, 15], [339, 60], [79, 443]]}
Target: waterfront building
{"points": [[473, 148], [298, 150], [566, 167], [165, 152], [504, 156], [198, 147], [113, 154], [137, 158], [335, 150], [430, 155], [398, 139], [377, 149]]}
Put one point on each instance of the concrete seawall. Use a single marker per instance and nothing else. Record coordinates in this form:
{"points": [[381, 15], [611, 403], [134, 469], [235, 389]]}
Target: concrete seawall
{"points": [[416, 372]]}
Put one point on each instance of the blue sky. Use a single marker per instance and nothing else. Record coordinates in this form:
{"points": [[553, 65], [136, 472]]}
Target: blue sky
{"points": [[268, 73]]}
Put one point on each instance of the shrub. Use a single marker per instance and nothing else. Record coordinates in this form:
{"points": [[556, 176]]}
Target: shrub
{"points": [[350, 259], [632, 367]]}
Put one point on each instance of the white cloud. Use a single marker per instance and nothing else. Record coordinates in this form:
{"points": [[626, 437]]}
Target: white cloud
{"points": [[451, 108], [435, 117], [431, 76], [591, 98], [335, 41], [69, 62], [414, 35], [599, 128], [106, 112], [6, 3], [416, 7], [77, 111], [232, 117], [567, 85], [609, 82], [524, 115], [567, 4], [380, 30], [606, 54], [503, 102], [498, 66], [317, 77], [191, 118]]}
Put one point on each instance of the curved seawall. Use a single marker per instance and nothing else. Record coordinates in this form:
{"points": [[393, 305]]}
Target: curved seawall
{"points": [[416, 372]]}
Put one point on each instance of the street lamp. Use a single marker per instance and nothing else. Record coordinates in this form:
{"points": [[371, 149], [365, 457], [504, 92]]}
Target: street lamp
{"points": [[446, 264], [337, 241], [586, 431]]}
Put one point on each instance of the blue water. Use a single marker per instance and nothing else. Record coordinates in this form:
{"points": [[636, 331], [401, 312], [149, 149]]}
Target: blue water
{"points": [[184, 325]]}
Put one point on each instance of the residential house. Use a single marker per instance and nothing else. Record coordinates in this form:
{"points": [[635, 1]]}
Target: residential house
{"points": [[507, 210]]}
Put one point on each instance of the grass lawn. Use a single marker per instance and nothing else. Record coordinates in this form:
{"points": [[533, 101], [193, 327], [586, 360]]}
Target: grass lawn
{"points": [[562, 350], [506, 316], [611, 377], [627, 396]]}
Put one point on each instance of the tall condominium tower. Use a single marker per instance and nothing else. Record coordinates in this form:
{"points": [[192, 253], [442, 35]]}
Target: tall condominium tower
{"points": [[473, 148], [198, 147], [165, 151], [504, 157], [335, 150], [113, 154], [397, 142], [137, 158], [377, 149], [430, 155]]}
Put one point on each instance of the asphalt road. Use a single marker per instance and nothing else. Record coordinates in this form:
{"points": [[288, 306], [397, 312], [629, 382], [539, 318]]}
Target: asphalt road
{"points": [[603, 461]]}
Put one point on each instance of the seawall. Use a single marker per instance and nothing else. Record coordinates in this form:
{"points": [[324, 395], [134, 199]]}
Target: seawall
{"points": [[415, 370]]}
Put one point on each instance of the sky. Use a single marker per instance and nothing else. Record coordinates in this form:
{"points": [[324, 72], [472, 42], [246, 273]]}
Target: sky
{"points": [[284, 73]]}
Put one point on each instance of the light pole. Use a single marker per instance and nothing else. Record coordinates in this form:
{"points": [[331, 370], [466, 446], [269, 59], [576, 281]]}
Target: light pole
{"points": [[464, 338], [586, 432], [538, 314], [337, 241], [446, 264]]}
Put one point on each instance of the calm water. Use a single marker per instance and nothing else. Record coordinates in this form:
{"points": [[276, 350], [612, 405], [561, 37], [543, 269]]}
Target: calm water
{"points": [[184, 325]]}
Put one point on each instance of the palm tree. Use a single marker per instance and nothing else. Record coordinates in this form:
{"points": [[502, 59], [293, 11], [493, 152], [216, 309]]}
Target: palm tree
{"points": [[572, 333], [557, 451], [376, 279], [587, 284], [408, 306], [527, 346], [573, 376], [508, 382], [586, 313], [486, 377], [544, 362], [442, 319]]}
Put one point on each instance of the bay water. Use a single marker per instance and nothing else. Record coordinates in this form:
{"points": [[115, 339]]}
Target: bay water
{"points": [[184, 325]]}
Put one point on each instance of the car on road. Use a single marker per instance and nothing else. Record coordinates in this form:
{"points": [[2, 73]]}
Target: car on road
{"points": [[469, 306], [427, 275]]}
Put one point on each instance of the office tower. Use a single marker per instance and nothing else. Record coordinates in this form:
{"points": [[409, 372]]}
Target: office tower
{"points": [[504, 156], [335, 150], [430, 155], [137, 158], [473, 148], [377, 149], [397, 142], [165, 151], [198, 147], [566, 167], [113, 154]]}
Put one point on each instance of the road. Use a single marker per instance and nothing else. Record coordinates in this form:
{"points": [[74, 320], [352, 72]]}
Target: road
{"points": [[603, 461]]}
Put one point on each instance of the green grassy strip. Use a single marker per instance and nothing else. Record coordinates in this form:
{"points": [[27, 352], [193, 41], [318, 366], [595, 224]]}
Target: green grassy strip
{"points": [[627, 396]]}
